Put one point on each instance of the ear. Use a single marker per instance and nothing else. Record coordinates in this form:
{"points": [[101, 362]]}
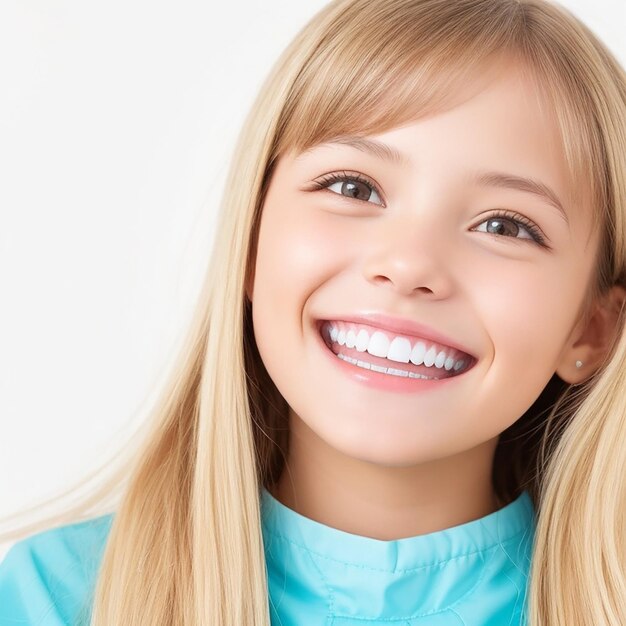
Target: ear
{"points": [[591, 342]]}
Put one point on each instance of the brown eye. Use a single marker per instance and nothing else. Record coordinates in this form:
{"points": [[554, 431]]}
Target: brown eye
{"points": [[499, 226], [354, 189], [510, 225], [354, 186]]}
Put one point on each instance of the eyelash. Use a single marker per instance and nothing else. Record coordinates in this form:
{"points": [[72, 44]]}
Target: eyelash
{"points": [[533, 230]]}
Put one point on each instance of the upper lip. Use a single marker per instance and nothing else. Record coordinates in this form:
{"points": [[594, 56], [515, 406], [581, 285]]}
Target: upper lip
{"points": [[401, 326]]}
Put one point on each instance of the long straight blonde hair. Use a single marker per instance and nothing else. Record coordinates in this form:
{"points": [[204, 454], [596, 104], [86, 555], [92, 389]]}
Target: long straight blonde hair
{"points": [[185, 546]]}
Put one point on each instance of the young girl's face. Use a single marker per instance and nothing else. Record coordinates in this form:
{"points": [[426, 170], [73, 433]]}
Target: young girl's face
{"points": [[416, 239]]}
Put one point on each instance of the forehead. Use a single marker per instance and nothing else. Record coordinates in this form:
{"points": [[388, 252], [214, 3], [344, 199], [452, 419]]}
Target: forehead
{"points": [[507, 123]]}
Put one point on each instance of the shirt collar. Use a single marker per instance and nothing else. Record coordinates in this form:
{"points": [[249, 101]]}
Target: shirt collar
{"points": [[312, 565]]}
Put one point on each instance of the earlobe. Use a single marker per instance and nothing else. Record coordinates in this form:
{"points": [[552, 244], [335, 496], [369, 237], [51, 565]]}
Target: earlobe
{"points": [[591, 345]]}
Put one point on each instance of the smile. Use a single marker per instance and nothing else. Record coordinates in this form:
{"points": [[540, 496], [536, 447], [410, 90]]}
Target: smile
{"points": [[394, 355]]}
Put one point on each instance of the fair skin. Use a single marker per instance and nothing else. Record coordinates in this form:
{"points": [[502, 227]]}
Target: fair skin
{"points": [[415, 245]]}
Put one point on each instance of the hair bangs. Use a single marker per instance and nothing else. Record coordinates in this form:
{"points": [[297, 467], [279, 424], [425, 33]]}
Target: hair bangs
{"points": [[390, 70]]}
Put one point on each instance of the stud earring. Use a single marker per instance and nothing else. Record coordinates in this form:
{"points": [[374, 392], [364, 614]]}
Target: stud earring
{"points": [[579, 363]]}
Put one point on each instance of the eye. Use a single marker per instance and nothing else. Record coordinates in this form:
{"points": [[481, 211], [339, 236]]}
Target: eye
{"points": [[504, 222], [355, 186]]}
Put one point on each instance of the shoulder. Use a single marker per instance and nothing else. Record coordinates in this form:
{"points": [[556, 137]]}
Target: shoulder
{"points": [[47, 579]]}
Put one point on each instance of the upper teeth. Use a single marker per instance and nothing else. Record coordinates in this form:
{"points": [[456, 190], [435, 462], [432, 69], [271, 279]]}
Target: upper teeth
{"points": [[397, 349]]}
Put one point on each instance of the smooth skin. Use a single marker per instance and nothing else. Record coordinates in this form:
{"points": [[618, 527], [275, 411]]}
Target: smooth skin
{"points": [[421, 243]]}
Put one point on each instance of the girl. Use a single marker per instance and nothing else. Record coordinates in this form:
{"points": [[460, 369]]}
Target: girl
{"points": [[403, 396]]}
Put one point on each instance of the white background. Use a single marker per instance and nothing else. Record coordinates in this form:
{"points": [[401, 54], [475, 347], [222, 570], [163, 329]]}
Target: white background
{"points": [[117, 123]]}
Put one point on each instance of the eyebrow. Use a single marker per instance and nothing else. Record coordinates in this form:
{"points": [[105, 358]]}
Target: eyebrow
{"points": [[521, 183], [483, 178], [377, 148]]}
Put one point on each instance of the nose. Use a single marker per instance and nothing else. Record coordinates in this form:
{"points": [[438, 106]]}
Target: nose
{"points": [[409, 255]]}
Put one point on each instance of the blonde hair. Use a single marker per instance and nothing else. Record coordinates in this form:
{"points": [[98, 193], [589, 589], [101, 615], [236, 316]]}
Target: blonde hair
{"points": [[185, 545]]}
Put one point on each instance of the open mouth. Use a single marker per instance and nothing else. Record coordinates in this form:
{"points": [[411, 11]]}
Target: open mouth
{"points": [[425, 360]]}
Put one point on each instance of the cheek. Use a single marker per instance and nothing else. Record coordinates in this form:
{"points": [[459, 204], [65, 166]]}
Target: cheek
{"points": [[295, 255], [526, 322], [297, 251], [528, 316]]}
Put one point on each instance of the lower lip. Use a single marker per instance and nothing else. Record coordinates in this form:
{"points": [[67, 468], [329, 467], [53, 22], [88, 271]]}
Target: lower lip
{"points": [[386, 382]]}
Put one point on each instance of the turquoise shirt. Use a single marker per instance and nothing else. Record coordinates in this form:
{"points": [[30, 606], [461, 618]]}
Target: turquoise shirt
{"points": [[474, 574]]}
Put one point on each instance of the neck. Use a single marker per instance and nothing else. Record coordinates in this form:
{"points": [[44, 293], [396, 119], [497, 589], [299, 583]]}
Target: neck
{"points": [[384, 502]]}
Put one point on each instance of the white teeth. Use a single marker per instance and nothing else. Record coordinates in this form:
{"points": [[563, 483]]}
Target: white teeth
{"points": [[429, 357], [417, 355], [378, 345], [385, 370], [402, 373], [441, 357], [362, 340], [399, 350]]}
